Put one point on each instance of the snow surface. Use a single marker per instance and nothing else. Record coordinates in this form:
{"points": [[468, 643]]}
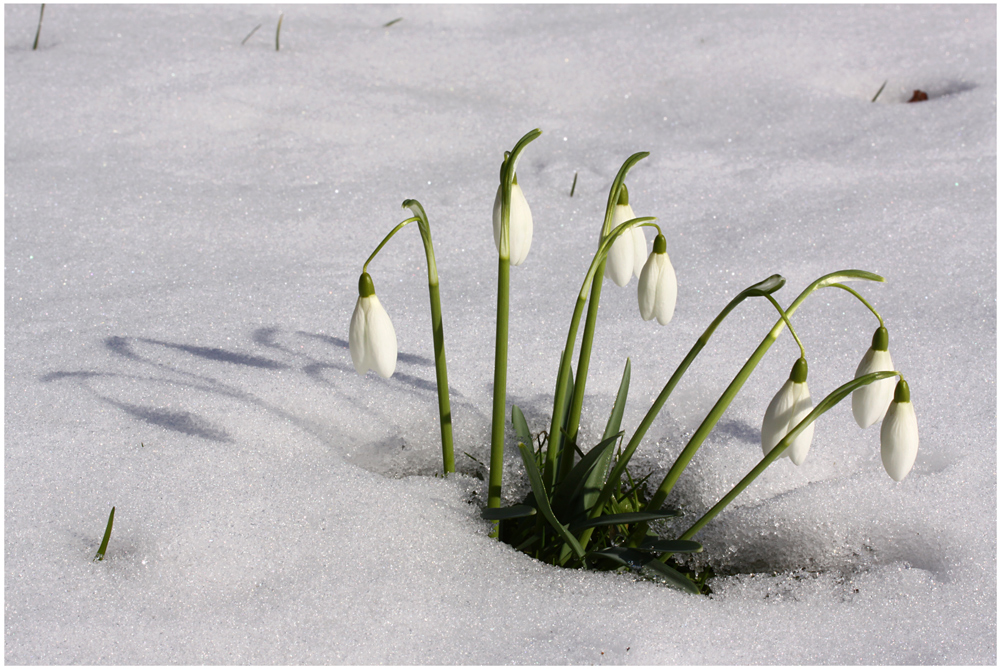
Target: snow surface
{"points": [[185, 222]]}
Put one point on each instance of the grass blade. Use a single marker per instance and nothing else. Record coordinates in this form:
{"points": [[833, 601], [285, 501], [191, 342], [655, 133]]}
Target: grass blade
{"points": [[38, 32], [107, 535], [250, 34]]}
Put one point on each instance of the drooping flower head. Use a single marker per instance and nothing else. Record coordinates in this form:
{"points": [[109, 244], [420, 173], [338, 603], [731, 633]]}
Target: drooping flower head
{"points": [[372, 338], [658, 285], [627, 255], [899, 434], [521, 225], [870, 402], [792, 403]]}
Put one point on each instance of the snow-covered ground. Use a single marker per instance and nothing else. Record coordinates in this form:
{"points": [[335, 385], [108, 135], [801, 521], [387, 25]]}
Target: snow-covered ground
{"points": [[185, 221]]}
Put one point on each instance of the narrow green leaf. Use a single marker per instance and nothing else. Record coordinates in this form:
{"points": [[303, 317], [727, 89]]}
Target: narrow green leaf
{"points": [[628, 557], [528, 456], [618, 409], [107, 535], [575, 485], [520, 425], [674, 577], [508, 512], [623, 519], [656, 545]]}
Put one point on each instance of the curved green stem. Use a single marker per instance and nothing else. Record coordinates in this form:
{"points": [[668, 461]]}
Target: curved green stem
{"points": [[562, 378], [586, 344], [734, 388], [784, 317], [764, 288], [440, 363], [412, 219], [507, 172], [825, 405], [863, 300]]}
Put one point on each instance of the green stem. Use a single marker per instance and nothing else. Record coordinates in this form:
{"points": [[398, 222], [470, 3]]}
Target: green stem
{"points": [[734, 388], [863, 301], [507, 172], [784, 317], [586, 344], [440, 363], [825, 405], [764, 288], [499, 384], [385, 240], [562, 378]]}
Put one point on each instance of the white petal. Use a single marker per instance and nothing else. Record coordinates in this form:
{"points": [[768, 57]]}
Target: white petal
{"points": [[621, 255], [640, 250], [776, 418], [870, 402], [647, 287], [899, 439], [803, 405], [521, 226], [666, 290], [380, 339], [356, 338]]}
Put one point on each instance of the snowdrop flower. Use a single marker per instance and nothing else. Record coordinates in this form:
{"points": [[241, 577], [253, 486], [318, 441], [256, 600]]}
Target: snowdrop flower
{"points": [[372, 337], [792, 403], [870, 402], [658, 285], [628, 254], [520, 223], [899, 434]]}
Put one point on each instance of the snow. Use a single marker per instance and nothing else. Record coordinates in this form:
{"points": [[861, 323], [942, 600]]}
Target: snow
{"points": [[185, 223]]}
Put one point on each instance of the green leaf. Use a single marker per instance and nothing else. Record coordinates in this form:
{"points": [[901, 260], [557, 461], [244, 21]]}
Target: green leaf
{"points": [[528, 456], [624, 519], [107, 535], [628, 557], [508, 512], [520, 425], [575, 486], [618, 409], [657, 545], [674, 577]]}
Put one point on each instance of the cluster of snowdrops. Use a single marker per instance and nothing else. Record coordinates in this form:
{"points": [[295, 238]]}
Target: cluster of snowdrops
{"points": [[585, 509]]}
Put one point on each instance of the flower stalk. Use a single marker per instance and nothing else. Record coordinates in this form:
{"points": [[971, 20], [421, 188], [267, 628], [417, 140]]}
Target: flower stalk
{"points": [[587, 343], [824, 405], [507, 173], [440, 363], [557, 442], [722, 404]]}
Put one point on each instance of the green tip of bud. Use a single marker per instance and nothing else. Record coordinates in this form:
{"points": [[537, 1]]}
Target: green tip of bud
{"points": [[880, 340], [902, 393], [800, 370], [660, 244], [365, 286], [503, 165], [514, 182], [623, 195]]}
